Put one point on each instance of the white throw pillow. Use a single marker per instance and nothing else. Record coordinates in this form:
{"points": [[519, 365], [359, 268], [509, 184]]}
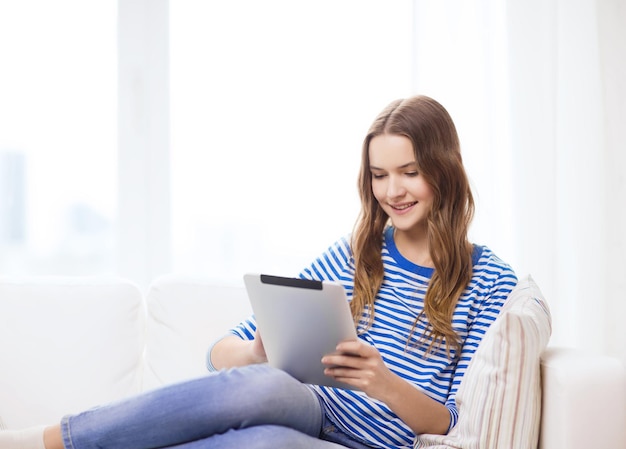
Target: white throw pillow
{"points": [[499, 399]]}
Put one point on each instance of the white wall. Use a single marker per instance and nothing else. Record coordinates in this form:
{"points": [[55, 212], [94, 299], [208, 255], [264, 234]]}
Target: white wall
{"points": [[143, 237], [612, 38]]}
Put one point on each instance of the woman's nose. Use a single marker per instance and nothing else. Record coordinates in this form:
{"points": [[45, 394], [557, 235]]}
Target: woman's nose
{"points": [[395, 188]]}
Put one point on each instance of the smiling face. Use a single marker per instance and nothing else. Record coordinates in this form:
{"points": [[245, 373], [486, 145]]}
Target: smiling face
{"points": [[399, 188]]}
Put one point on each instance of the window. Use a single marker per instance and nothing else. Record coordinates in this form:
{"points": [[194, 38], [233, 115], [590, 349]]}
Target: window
{"points": [[58, 136]]}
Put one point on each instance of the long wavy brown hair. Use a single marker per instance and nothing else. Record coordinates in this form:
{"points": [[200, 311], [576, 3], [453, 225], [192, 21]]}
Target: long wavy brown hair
{"points": [[429, 127]]}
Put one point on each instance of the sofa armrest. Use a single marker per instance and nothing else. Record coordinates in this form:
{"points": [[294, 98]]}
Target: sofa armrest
{"points": [[583, 400]]}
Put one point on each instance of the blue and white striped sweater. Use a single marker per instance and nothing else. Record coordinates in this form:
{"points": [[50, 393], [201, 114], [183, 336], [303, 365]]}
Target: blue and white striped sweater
{"points": [[398, 303]]}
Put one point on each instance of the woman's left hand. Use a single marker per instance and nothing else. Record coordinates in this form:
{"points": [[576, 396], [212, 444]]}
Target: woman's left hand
{"points": [[359, 364]]}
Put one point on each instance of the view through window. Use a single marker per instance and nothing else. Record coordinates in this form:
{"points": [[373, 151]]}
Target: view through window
{"points": [[57, 136]]}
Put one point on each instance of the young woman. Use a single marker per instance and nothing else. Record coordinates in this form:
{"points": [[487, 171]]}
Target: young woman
{"points": [[421, 295]]}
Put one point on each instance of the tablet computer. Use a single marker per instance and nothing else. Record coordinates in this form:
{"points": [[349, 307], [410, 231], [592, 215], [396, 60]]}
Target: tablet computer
{"points": [[300, 321]]}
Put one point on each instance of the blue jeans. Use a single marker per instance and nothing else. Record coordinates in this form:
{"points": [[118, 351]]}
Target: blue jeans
{"points": [[252, 407]]}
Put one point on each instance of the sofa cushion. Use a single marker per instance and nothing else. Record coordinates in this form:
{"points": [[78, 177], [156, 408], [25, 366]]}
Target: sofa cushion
{"points": [[499, 399], [67, 344], [185, 316]]}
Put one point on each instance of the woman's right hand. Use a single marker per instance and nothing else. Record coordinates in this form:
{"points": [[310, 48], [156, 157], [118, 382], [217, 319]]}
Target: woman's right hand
{"points": [[232, 351]]}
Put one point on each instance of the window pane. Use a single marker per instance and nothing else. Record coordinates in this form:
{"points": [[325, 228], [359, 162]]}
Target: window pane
{"points": [[270, 103], [57, 136]]}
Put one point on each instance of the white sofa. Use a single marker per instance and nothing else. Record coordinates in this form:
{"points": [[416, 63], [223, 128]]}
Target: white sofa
{"points": [[69, 343]]}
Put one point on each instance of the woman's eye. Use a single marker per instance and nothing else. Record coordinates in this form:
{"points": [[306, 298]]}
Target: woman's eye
{"points": [[377, 176], [411, 173]]}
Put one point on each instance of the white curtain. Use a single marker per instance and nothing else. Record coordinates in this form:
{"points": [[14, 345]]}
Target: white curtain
{"points": [[567, 66], [547, 163]]}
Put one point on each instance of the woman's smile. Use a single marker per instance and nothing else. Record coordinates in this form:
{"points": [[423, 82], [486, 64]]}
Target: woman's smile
{"points": [[402, 208]]}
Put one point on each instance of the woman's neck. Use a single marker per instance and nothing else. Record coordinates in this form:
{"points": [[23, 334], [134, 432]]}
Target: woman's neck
{"points": [[414, 247]]}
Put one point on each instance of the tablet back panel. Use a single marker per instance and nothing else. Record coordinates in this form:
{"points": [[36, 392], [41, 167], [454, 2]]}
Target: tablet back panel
{"points": [[300, 321]]}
